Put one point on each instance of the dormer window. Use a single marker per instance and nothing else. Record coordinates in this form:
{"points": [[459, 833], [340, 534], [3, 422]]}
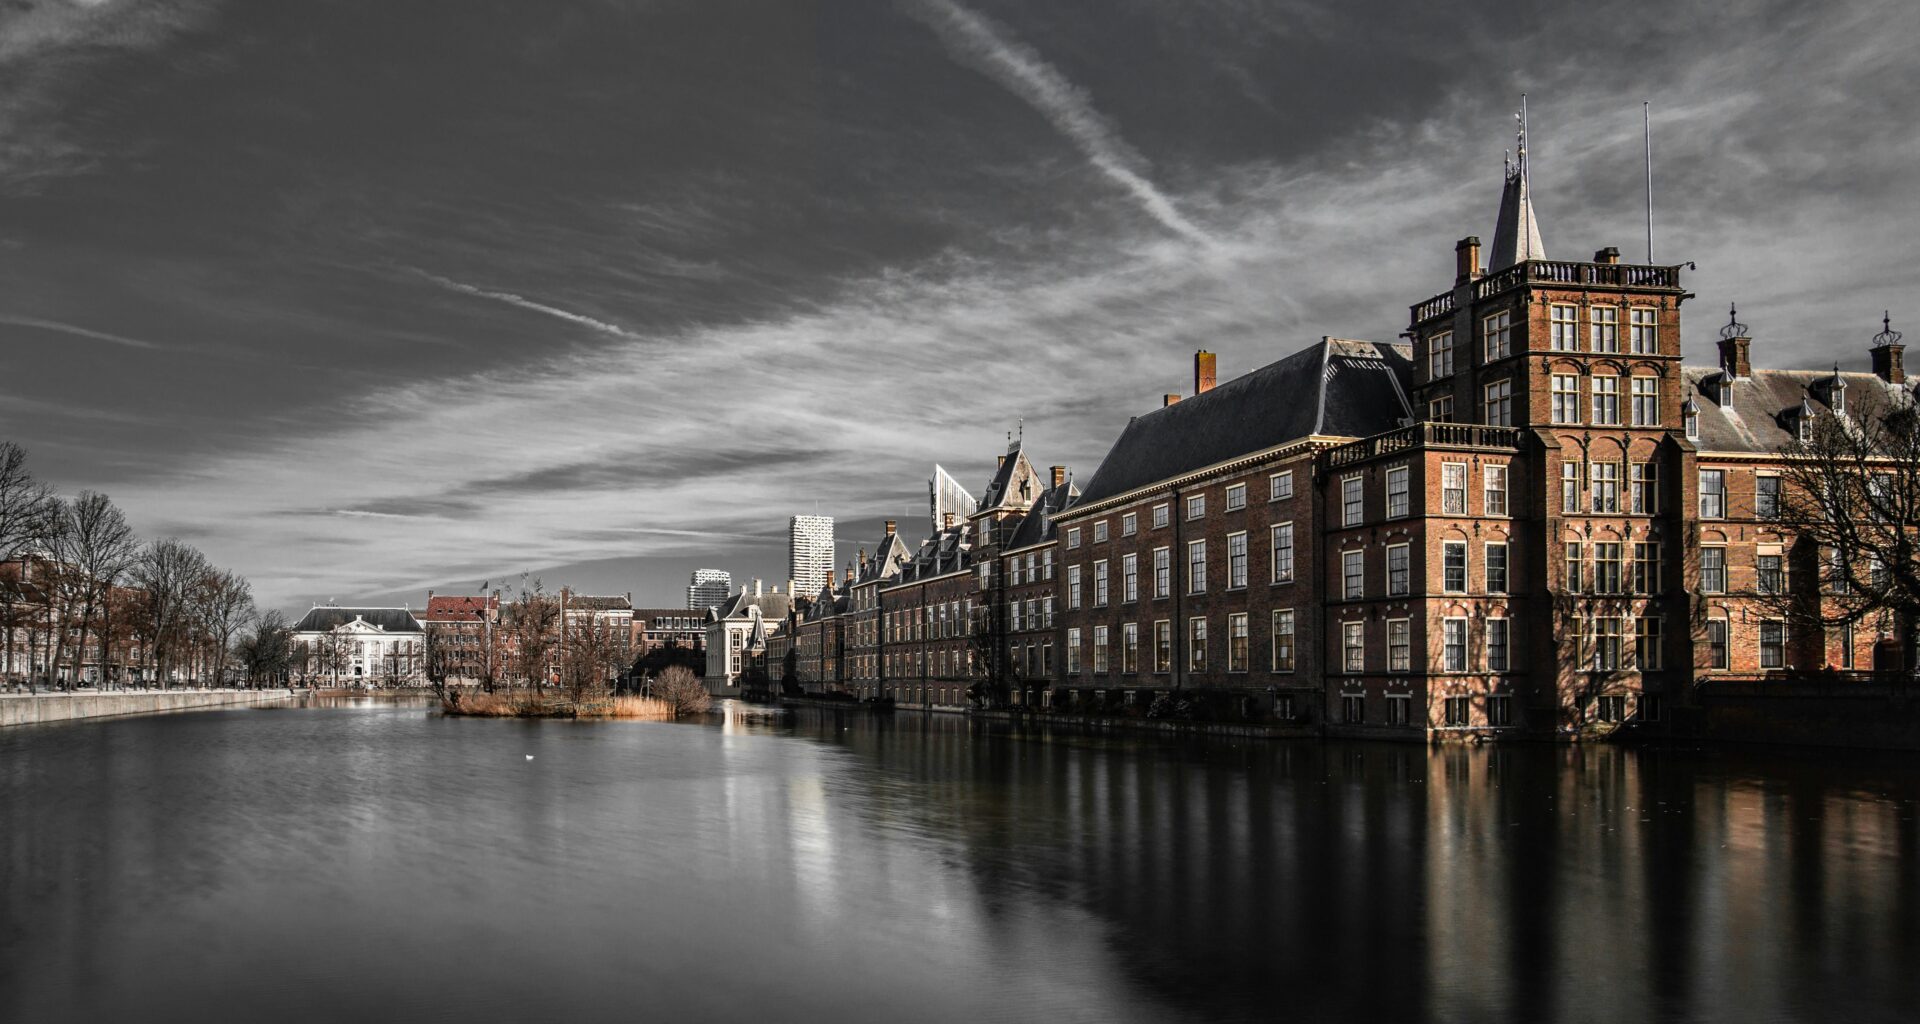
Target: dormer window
{"points": [[1724, 390], [1803, 421], [1837, 393], [1690, 416]]}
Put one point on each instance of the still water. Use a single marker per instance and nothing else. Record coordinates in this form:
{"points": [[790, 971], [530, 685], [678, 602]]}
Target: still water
{"points": [[384, 863]]}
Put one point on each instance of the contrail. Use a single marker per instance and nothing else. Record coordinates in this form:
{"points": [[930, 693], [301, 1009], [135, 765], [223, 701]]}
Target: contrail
{"points": [[525, 303], [1022, 71], [78, 332]]}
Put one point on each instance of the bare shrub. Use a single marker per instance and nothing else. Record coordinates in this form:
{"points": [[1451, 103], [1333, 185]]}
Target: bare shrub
{"points": [[682, 692]]}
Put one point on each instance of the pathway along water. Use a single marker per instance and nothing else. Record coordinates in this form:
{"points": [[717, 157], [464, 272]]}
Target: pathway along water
{"points": [[388, 864]]}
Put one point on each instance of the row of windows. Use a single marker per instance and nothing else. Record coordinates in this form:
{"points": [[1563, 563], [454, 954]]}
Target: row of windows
{"points": [[1495, 655], [1603, 568], [1279, 488], [1101, 655], [1399, 574], [1603, 334], [1596, 487], [1453, 492], [1239, 556], [1604, 408]]}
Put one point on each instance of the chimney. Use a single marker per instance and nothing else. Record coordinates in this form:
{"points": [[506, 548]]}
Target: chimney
{"points": [[1059, 474], [1735, 355], [1466, 259], [756, 586], [1611, 254], [1203, 365], [1166, 400], [890, 527], [946, 520], [1888, 354]]}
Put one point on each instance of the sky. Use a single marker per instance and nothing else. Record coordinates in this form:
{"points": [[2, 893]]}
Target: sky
{"points": [[367, 298]]}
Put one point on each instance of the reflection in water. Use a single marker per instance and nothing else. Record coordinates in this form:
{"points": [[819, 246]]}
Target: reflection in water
{"points": [[387, 863]]}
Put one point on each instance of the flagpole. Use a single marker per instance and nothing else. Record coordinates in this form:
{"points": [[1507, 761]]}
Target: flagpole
{"points": [[1646, 114]]}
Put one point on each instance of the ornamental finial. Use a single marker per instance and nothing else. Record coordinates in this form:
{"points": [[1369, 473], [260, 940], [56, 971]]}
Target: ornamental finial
{"points": [[1734, 328], [1887, 335]]}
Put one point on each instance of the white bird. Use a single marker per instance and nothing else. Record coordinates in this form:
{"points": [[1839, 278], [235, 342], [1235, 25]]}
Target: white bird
{"points": [[529, 757]]}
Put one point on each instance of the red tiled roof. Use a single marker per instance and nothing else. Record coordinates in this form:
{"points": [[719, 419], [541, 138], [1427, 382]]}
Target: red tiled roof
{"points": [[453, 608]]}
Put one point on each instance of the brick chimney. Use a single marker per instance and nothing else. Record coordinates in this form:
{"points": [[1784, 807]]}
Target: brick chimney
{"points": [[1611, 254], [1166, 400], [1888, 354], [1000, 463], [891, 525], [946, 520], [1203, 372], [1058, 474], [1466, 259], [1736, 355]]}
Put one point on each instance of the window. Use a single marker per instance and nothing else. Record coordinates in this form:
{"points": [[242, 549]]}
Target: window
{"points": [[1282, 552], [1643, 321], [1691, 421], [1769, 574], [1197, 506], [1643, 488], [1352, 501], [1130, 647], [1046, 564], [1646, 643], [1453, 488], [1646, 401], [1073, 586], [1496, 567], [1459, 711], [1606, 567], [1565, 333], [1499, 403], [1453, 567], [1766, 497], [1236, 497], [1353, 574], [1713, 570], [1606, 401], [1099, 648], [1603, 484], [1162, 572], [1606, 644], [1353, 646], [1279, 486], [1499, 645], [1773, 644], [1073, 651], [1611, 708], [1129, 578], [1440, 355], [1237, 642], [1499, 711], [1576, 559], [1283, 639], [1397, 705], [1073, 536], [1604, 322], [1493, 489], [1236, 561], [1570, 488], [1396, 492], [1498, 331], [1440, 410], [1646, 567], [1566, 398], [1129, 524], [1353, 709], [1100, 532], [1197, 644], [1717, 643], [1100, 583], [1163, 645], [1453, 649], [1399, 645], [1196, 567], [1159, 517], [1713, 494], [1399, 570]]}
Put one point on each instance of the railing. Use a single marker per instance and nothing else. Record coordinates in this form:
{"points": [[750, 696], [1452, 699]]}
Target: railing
{"points": [[1618, 275], [1439, 305], [1425, 435]]}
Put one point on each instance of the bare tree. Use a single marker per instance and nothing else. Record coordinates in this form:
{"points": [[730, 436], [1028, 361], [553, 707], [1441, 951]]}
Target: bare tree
{"points": [[93, 547], [533, 627], [169, 571], [682, 691], [25, 504], [226, 606], [266, 650], [1850, 498]]}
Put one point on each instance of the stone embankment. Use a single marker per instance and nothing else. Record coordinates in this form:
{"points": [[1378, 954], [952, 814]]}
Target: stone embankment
{"points": [[34, 709]]}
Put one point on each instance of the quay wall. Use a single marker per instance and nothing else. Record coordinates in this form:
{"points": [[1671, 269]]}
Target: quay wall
{"points": [[35, 709], [1813, 714]]}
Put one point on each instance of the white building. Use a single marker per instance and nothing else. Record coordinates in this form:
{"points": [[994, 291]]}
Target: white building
{"points": [[809, 553], [708, 588], [365, 646], [735, 629]]}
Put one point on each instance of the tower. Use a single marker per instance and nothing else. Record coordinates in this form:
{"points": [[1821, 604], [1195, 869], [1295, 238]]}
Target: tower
{"points": [[810, 553]]}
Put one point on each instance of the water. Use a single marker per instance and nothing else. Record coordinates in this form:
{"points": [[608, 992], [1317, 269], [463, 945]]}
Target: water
{"points": [[383, 863]]}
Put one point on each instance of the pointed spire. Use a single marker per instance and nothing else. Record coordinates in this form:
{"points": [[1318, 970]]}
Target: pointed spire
{"points": [[1516, 235]]}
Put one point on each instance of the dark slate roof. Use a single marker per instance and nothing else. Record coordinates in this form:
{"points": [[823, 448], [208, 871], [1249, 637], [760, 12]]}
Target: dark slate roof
{"points": [[1766, 406], [1334, 387], [887, 560], [1037, 526], [323, 618], [591, 603], [772, 606]]}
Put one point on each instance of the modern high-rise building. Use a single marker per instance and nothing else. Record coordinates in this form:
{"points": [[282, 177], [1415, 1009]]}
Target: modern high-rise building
{"points": [[810, 553], [708, 588]]}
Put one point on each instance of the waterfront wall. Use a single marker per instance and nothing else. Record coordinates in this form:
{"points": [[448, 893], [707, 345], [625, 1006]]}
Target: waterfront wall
{"points": [[1876, 716], [34, 709]]}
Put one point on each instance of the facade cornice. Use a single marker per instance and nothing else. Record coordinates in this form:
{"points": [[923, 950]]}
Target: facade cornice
{"points": [[1312, 443]]}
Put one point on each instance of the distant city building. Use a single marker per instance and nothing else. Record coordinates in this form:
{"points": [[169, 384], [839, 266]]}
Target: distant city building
{"points": [[736, 633], [809, 553], [360, 645], [460, 631], [708, 588], [944, 496]]}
